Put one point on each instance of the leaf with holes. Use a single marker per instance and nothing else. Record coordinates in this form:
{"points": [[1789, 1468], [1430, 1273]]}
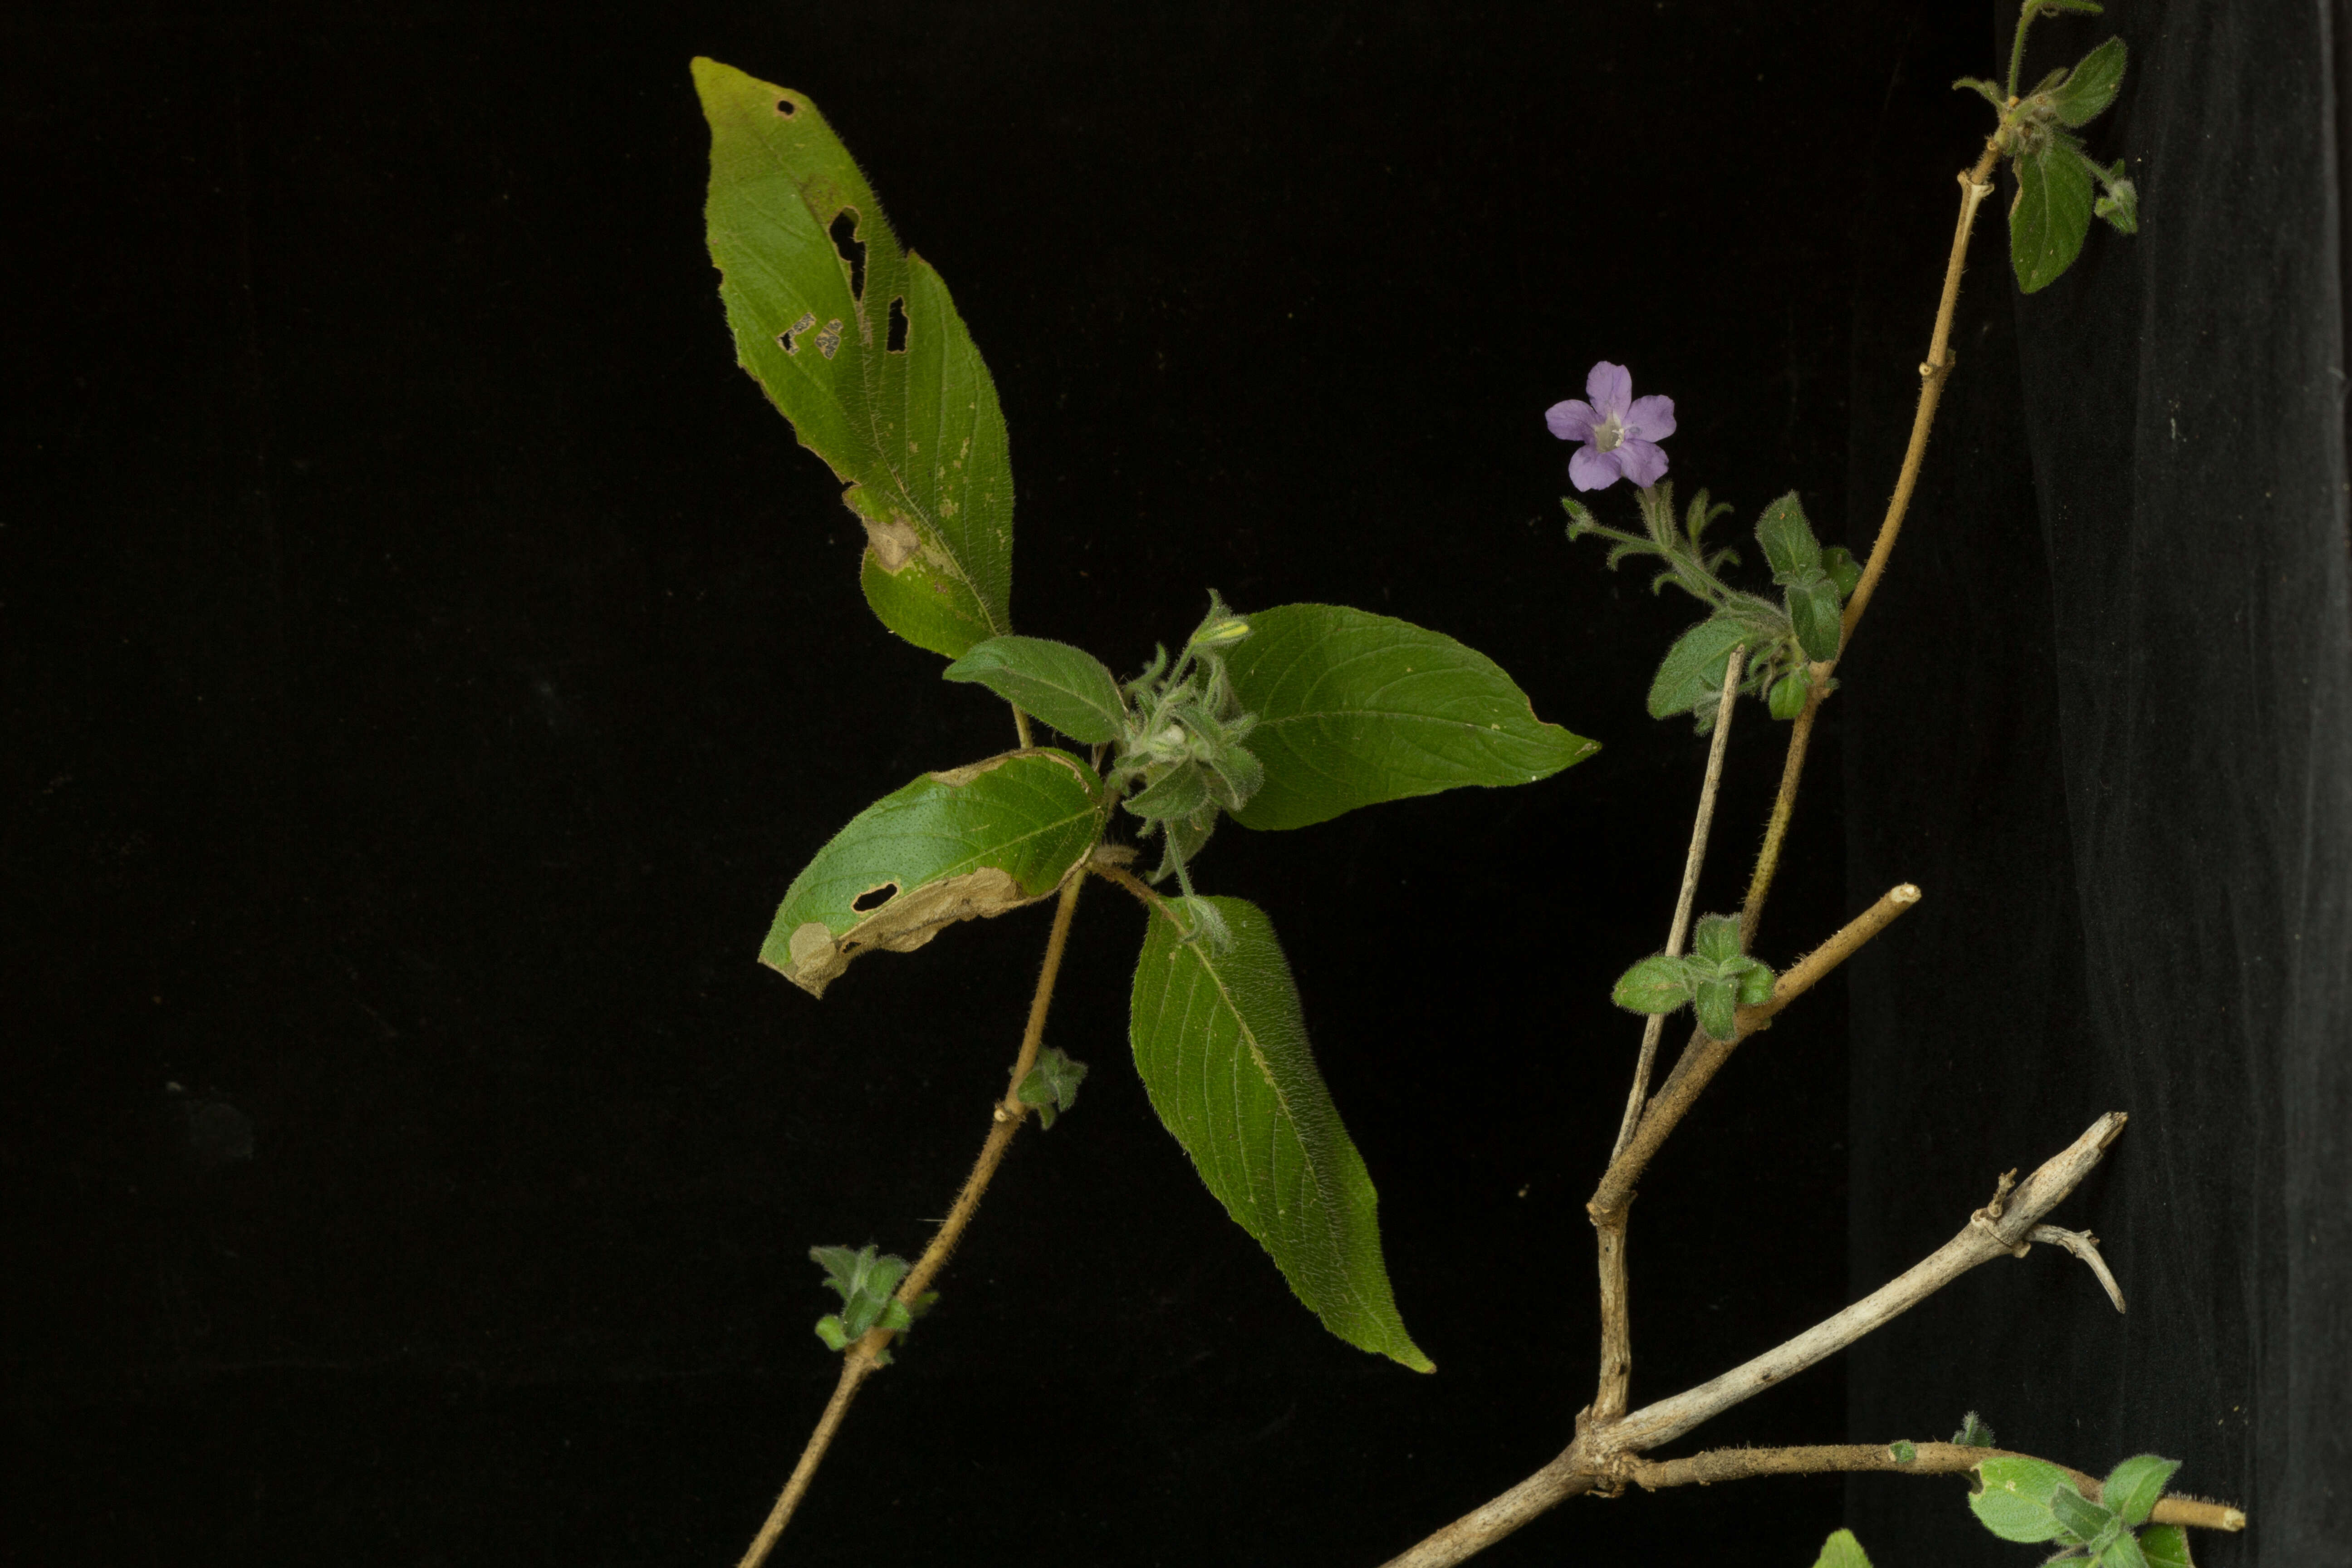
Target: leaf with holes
{"points": [[1222, 1045], [858, 343], [1354, 708], [1068, 688], [972, 841]]}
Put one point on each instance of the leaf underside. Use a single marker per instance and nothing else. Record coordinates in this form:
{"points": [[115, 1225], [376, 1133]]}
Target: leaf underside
{"points": [[1220, 1043], [915, 433], [1354, 708], [950, 847]]}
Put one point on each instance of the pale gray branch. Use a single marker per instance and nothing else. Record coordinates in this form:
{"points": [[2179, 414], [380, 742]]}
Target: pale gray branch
{"points": [[1700, 827], [1989, 1233], [1604, 1456]]}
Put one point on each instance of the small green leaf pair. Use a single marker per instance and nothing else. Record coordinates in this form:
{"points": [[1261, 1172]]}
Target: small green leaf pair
{"points": [[1817, 582], [865, 1284], [2025, 1500], [1717, 979]]}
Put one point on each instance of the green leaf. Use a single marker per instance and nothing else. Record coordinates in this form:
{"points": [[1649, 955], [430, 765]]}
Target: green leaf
{"points": [[2165, 1546], [972, 841], [2051, 216], [1973, 1432], [1183, 791], [1789, 547], [1051, 1086], [2014, 1502], [2133, 1487], [1844, 570], [1355, 709], [1066, 687], [2087, 90], [1813, 611], [2079, 1517], [2123, 1552], [1717, 1001], [1787, 700], [1692, 675], [1756, 983], [1658, 985], [1222, 1045], [863, 1283], [914, 430], [1842, 1551], [1989, 91], [1717, 938]]}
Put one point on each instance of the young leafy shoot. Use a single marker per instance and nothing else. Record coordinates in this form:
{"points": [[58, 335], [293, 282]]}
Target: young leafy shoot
{"points": [[972, 841], [1355, 709], [1716, 978], [2028, 1500], [2056, 175], [1051, 1086], [1220, 1042], [865, 1284], [858, 343]]}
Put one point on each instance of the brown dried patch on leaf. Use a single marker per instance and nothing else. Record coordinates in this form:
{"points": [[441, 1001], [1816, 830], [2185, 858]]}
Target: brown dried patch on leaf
{"points": [[894, 543], [956, 778], [903, 924]]}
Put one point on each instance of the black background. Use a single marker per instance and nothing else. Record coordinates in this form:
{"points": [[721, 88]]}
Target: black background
{"points": [[427, 658]]}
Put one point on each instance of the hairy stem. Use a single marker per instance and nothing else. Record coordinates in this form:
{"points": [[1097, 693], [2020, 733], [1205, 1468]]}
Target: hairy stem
{"points": [[1004, 1118], [1929, 1459], [1616, 1323], [1975, 184], [1705, 1056]]}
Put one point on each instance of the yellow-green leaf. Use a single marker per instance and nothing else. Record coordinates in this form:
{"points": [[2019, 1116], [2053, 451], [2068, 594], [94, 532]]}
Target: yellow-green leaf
{"points": [[856, 341]]}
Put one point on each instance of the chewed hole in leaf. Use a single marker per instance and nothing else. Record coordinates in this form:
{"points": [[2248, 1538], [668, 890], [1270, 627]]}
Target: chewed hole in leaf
{"points": [[787, 107], [829, 341], [851, 249], [789, 339], [872, 898], [896, 341]]}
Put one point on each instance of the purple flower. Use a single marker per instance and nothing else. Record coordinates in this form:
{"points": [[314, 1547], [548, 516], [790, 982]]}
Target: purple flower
{"points": [[1620, 432]]}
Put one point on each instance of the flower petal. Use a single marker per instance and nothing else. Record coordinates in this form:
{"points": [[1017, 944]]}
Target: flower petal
{"points": [[1652, 418], [1590, 468], [1573, 420], [1644, 462], [1611, 387]]}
